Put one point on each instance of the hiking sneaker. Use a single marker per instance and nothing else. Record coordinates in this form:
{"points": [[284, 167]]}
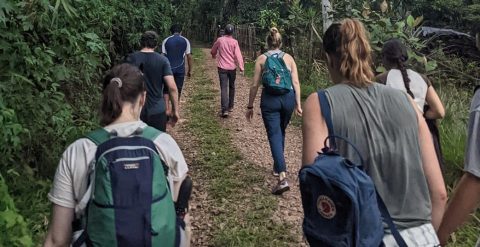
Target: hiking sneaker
{"points": [[224, 114], [282, 186], [275, 174], [230, 109]]}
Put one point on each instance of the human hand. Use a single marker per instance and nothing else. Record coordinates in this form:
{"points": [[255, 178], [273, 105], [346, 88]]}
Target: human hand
{"points": [[173, 119], [298, 110], [189, 73], [242, 72], [249, 115]]}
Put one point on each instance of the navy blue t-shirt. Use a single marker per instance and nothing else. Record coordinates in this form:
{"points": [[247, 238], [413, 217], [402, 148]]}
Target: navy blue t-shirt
{"points": [[154, 66], [175, 48]]}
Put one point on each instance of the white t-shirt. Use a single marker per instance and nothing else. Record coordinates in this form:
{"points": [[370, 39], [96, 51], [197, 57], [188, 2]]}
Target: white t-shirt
{"points": [[417, 84], [70, 182]]}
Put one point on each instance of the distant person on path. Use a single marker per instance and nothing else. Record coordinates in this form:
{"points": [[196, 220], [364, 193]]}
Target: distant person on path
{"points": [[280, 97], [388, 130], [176, 48], [227, 51], [467, 193], [158, 75], [123, 100], [416, 85]]}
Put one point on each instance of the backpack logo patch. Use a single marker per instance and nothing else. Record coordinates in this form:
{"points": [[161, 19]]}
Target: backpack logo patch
{"points": [[326, 207], [131, 166]]}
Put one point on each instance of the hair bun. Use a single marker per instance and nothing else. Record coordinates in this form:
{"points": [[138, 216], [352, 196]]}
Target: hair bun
{"points": [[273, 31]]}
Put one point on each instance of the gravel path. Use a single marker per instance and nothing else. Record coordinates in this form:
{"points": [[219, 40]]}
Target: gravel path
{"points": [[251, 140]]}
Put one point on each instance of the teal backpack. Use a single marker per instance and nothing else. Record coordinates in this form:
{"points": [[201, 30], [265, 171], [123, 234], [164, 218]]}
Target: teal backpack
{"points": [[131, 202], [276, 77]]}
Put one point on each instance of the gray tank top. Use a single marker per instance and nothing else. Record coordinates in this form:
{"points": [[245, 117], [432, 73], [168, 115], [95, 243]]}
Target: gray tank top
{"points": [[383, 125]]}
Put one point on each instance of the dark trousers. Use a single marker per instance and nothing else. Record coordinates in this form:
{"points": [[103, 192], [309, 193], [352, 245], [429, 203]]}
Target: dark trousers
{"points": [[227, 88], [158, 121], [179, 80], [276, 113]]}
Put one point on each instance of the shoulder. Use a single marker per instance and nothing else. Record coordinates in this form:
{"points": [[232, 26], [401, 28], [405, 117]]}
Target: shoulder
{"points": [[261, 59], [425, 78], [475, 105], [185, 39], [161, 58], [382, 78]]}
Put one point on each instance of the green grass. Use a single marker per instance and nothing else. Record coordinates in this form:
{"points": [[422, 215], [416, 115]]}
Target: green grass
{"points": [[244, 217]]}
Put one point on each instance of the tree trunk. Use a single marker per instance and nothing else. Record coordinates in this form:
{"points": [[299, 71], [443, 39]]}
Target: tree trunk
{"points": [[326, 14]]}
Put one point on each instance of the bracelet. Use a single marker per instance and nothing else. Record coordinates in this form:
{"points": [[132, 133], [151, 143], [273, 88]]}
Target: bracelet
{"points": [[250, 107]]}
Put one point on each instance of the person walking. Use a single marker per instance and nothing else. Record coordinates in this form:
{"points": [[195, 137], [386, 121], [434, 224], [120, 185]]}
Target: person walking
{"points": [[227, 51], [278, 73], [117, 187], [158, 74], [466, 197], [176, 48], [388, 130], [418, 86]]}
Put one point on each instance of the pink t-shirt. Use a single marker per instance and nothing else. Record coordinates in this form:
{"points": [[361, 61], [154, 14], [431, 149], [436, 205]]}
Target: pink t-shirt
{"points": [[228, 50]]}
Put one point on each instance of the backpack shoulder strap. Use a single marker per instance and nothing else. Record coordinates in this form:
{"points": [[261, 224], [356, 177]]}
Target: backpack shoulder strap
{"points": [[151, 133], [267, 54], [388, 219], [281, 54], [98, 136], [327, 115]]}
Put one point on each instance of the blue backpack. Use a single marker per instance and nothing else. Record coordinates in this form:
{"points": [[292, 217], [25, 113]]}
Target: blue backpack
{"points": [[340, 203], [128, 200], [276, 77]]}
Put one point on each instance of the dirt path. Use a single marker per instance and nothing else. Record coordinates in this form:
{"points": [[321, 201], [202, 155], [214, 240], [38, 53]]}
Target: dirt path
{"points": [[251, 140]]}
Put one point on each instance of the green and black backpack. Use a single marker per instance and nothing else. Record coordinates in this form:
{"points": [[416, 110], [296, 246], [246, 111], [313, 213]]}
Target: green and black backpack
{"points": [[131, 202]]}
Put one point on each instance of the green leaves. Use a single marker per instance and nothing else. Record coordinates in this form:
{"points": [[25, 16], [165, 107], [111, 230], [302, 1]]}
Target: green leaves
{"points": [[13, 229]]}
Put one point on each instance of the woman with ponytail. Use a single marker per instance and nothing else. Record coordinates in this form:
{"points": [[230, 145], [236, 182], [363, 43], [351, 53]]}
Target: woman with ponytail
{"points": [[395, 56], [388, 130], [123, 98], [278, 101]]}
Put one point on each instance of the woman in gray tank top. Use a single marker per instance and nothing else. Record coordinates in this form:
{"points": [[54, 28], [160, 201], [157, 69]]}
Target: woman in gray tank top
{"points": [[391, 134]]}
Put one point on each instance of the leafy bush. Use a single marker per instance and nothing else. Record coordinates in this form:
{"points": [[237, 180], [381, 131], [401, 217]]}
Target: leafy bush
{"points": [[52, 55], [13, 229]]}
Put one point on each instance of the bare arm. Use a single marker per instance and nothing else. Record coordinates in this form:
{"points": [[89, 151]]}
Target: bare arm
{"points": [[173, 92], [436, 109], [190, 64], [239, 57], [431, 168], [314, 129], [465, 200], [214, 49], [255, 85], [60, 229], [296, 85]]}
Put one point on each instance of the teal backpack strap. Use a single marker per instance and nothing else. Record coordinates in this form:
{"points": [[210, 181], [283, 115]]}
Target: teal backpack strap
{"points": [[98, 136], [150, 133]]}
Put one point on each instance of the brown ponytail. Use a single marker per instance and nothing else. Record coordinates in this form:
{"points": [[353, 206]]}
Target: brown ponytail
{"points": [[123, 83], [274, 39], [348, 43]]}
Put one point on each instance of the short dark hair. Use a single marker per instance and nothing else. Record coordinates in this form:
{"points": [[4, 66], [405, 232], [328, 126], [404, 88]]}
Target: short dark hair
{"points": [[149, 39], [175, 28], [229, 28]]}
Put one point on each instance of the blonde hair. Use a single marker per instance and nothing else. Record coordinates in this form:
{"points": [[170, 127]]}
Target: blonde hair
{"points": [[274, 39], [348, 42]]}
